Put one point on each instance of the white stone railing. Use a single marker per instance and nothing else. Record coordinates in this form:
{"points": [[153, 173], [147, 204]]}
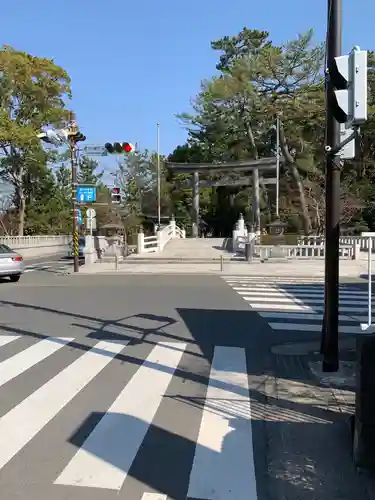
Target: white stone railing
{"points": [[37, 246], [34, 241], [362, 242], [156, 243], [301, 251]]}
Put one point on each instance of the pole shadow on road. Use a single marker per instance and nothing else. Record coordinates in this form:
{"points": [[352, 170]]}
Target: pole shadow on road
{"points": [[277, 420]]}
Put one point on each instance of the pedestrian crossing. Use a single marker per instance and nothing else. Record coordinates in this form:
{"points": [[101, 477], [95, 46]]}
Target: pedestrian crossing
{"points": [[35, 429], [62, 269], [298, 304]]}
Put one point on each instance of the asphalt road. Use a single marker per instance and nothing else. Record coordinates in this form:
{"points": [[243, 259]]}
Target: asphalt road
{"points": [[137, 387], [58, 263]]}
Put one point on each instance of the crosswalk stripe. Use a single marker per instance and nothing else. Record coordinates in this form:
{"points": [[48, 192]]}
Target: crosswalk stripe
{"points": [[27, 419], [269, 306], [309, 327], [7, 339], [283, 291], [307, 301], [274, 278], [298, 305], [19, 363], [107, 454], [154, 496], [303, 316], [224, 461]]}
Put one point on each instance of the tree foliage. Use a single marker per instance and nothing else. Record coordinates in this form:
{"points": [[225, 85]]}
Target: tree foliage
{"points": [[32, 95], [234, 118]]}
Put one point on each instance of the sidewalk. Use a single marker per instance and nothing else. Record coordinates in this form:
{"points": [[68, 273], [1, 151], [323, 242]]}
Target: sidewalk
{"points": [[308, 428], [312, 268]]}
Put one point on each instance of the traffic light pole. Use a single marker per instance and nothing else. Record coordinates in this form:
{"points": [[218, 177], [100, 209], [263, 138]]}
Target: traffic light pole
{"points": [[73, 162], [329, 345], [158, 172]]}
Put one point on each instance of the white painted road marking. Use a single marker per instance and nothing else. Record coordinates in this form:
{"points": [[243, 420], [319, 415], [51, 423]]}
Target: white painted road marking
{"points": [[19, 363], [299, 304], [7, 339], [269, 306], [154, 496], [223, 465], [106, 456], [295, 292], [24, 421], [295, 300], [310, 327], [302, 316]]}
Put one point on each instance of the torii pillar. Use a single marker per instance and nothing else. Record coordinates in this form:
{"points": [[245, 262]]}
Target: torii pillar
{"points": [[195, 205]]}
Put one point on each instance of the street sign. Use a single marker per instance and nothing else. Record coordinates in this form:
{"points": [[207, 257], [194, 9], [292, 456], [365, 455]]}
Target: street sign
{"points": [[90, 213], [95, 151], [91, 224], [86, 194]]}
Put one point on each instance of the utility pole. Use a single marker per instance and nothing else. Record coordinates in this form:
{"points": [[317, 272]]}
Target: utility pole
{"points": [[329, 346], [72, 134], [277, 164], [158, 170]]}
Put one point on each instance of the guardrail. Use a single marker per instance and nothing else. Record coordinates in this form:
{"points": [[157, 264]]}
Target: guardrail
{"points": [[35, 241], [362, 242], [157, 242], [300, 251]]}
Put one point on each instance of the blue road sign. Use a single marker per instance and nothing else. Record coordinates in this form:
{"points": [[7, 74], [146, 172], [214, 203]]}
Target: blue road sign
{"points": [[79, 217], [86, 194]]}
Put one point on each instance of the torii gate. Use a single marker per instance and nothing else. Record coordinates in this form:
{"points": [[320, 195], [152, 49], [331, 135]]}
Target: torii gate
{"points": [[264, 165]]}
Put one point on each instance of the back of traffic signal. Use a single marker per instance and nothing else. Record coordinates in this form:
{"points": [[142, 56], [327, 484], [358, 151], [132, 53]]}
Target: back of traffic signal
{"points": [[116, 195], [119, 148], [347, 98]]}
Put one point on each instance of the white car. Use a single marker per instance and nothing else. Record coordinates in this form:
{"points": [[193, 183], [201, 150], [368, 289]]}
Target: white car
{"points": [[11, 263]]}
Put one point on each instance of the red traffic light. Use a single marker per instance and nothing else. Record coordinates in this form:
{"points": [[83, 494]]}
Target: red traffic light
{"points": [[119, 147], [116, 190], [128, 148]]}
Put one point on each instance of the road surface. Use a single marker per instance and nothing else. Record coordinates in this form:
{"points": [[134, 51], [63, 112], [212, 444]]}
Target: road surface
{"points": [[58, 263], [156, 388]]}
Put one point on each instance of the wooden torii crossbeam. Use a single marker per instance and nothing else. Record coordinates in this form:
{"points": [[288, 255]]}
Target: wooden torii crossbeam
{"points": [[264, 165], [243, 165]]}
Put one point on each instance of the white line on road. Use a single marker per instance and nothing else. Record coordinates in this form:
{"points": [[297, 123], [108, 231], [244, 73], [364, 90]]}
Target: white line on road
{"points": [[303, 316], [106, 456], [154, 496], [269, 306], [223, 464], [24, 421], [19, 363], [308, 301], [274, 278], [7, 339], [311, 327], [296, 293]]}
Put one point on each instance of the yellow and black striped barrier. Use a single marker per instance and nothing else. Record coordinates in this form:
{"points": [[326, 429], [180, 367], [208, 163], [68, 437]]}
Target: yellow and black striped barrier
{"points": [[75, 244]]}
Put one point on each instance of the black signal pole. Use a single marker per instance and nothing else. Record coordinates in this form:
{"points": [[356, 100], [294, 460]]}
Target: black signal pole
{"points": [[73, 160], [330, 334]]}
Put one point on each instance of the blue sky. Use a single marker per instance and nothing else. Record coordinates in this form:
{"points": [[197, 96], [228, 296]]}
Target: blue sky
{"points": [[134, 64]]}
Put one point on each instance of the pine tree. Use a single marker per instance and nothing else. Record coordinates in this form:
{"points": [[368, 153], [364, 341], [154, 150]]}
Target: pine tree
{"points": [[87, 173]]}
